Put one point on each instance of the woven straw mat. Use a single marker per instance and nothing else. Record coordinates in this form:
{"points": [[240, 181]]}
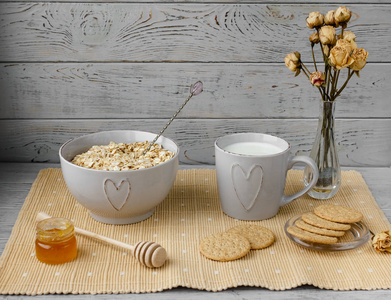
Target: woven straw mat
{"points": [[190, 212]]}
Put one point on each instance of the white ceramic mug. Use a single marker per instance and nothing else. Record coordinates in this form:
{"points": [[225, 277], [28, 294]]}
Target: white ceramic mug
{"points": [[251, 173]]}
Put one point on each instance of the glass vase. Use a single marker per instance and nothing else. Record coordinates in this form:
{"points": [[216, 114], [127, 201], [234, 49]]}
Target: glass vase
{"points": [[325, 155]]}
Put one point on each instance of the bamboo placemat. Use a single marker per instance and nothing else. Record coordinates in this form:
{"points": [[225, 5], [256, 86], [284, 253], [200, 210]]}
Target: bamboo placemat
{"points": [[190, 212]]}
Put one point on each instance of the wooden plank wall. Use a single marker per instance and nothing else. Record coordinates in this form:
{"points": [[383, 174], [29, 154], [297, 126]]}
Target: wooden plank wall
{"points": [[69, 68]]}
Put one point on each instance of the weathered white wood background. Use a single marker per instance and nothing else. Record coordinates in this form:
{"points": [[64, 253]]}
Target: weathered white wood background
{"points": [[69, 68]]}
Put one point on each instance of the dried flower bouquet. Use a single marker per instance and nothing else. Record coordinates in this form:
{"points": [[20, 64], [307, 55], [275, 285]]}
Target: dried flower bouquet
{"points": [[338, 52]]}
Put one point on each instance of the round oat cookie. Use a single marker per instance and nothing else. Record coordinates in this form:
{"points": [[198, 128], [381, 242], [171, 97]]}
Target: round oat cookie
{"points": [[311, 237], [224, 246], [314, 220], [338, 213], [258, 236], [323, 231]]}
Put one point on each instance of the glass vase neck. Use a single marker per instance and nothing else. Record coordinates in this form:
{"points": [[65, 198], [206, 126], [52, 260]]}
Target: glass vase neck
{"points": [[325, 155]]}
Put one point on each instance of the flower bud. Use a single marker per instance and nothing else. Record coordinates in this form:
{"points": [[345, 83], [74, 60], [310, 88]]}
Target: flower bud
{"points": [[314, 38], [345, 44], [314, 19], [327, 35], [329, 19], [340, 58], [326, 50], [360, 59], [342, 15], [382, 242], [318, 78], [292, 61], [347, 35]]}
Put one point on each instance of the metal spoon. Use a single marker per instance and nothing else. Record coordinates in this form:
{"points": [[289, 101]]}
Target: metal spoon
{"points": [[195, 90]]}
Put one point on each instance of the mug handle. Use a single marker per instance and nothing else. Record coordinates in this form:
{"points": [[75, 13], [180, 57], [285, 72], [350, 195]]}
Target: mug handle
{"points": [[315, 174]]}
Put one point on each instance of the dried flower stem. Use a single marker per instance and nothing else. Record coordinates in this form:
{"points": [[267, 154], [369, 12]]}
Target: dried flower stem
{"points": [[335, 81], [313, 56], [304, 71], [350, 74], [321, 47], [328, 82], [326, 123], [342, 28]]}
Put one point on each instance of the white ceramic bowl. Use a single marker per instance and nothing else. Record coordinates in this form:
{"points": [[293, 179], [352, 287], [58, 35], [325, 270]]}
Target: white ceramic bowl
{"points": [[118, 197]]}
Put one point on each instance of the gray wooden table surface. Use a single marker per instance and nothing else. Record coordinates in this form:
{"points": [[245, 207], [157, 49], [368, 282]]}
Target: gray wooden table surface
{"points": [[15, 183]]}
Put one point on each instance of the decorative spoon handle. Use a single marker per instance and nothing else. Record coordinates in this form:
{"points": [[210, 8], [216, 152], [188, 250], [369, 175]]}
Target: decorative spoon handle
{"points": [[195, 90]]}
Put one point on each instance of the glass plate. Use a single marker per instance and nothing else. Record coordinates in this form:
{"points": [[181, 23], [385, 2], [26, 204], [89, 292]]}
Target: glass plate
{"points": [[355, 237]]}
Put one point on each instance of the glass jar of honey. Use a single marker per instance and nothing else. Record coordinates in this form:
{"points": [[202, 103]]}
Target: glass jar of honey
{"points": [[55, 242]]}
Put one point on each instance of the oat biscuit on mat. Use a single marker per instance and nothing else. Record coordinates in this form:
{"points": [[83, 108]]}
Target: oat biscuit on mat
{"points": [[323, 231], [314, 220], [338, 213], [224, 246], [258, 236], [311, 237]]}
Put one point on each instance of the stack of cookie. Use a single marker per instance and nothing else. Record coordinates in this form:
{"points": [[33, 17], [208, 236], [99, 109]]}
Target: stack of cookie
{"points": [[236, 242], [325, 224]]}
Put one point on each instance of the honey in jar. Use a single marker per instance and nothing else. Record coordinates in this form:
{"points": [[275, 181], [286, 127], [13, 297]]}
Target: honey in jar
{"points": [[56, 242]]}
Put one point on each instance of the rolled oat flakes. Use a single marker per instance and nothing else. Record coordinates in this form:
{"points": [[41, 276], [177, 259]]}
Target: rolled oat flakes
{"points": [[121, 157]]}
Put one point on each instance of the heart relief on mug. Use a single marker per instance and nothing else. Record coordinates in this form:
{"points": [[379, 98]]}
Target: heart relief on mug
{"points": [[251, 173]]}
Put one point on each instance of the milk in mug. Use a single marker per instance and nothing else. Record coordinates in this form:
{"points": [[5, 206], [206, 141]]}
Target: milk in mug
{"points": [[253, 148]]}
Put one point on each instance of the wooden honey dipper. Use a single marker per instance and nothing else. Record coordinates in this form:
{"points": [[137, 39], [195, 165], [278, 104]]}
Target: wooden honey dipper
{"points": [[149, 254]]}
